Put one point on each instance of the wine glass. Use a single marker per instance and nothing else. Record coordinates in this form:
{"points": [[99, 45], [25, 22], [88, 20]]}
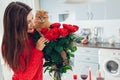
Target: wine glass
{"points": [[84, 76]]}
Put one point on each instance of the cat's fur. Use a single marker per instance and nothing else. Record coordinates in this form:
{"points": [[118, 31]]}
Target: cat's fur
{"points": [[41, 20]]}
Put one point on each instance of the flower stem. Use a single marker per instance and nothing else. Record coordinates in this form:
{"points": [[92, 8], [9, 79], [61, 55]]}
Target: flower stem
{"points": [[57, 75]]}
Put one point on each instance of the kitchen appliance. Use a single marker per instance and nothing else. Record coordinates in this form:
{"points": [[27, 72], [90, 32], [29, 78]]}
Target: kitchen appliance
{"points": [[109, 61]]}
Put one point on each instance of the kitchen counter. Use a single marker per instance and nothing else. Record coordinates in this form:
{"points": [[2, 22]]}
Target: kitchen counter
{"points": [[99, 45]]}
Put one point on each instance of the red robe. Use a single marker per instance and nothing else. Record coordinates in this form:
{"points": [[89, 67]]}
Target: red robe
{"points": [[34, 71]]}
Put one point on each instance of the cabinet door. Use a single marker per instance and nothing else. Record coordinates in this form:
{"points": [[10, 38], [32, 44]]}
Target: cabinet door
{"points": [[112, 9], [91, 11], [81, 67], [86, 58], [97, 11], [82, 12], [87, 51], [89, 55]]}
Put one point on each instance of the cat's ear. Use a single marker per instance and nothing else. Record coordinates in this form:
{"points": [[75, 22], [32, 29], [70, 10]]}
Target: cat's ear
{"points": [[46, 12]]}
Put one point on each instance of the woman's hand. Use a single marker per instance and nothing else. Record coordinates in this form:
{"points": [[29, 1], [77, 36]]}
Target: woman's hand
{"points": [[41, 43]]}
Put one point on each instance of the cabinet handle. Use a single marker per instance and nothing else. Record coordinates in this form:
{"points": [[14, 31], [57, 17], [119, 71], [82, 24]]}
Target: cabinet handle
{"points": [[92, 16], [87, 58], [87, 51]]}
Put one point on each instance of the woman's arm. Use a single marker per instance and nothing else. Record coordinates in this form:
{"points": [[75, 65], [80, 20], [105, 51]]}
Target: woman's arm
{"points": [[36, 61], [33, 65]]}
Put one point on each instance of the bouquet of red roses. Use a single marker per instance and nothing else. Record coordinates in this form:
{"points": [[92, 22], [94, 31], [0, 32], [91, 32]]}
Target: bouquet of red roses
{"points": [[61, 39]]}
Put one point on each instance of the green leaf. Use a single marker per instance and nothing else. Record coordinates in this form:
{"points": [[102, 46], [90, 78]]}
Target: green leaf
{"points": [[65, 68], [72, 55], [73, 48], [47, 68], [47, 50], [56, 57], [55, 78], [78, 39], [47, 64], [59, 49]]}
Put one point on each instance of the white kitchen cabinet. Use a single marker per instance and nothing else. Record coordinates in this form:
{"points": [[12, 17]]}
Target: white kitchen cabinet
{"points": [[108, 9], [86, 58], [112, 9], [82, 12], [97, 11], [85, 11], [91, 11]]}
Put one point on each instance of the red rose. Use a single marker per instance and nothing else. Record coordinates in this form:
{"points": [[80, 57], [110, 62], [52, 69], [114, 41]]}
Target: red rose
{"points": [[70, 28], [63, 32], [76, 27], [73, 28], [44, 31], [66, 25], [52, 34], [55, 25], [49, 35], [55, 32]]}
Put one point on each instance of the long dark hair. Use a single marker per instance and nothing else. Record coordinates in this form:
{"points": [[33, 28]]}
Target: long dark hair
{"points": [[15, 33]]}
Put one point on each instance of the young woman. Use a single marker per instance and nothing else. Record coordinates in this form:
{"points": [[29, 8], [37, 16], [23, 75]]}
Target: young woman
{"points": [[18, 49]]}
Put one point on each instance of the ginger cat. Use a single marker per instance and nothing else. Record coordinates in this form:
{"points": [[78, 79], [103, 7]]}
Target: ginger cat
{"points": [[41, 20]]}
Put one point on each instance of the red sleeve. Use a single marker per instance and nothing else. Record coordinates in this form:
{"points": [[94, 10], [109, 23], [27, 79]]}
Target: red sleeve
{"points": [[35, 60]]}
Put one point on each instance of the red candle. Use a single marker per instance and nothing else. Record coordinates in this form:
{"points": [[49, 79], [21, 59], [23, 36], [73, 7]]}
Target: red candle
{"points": [[75, 76], [90, 74]]}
